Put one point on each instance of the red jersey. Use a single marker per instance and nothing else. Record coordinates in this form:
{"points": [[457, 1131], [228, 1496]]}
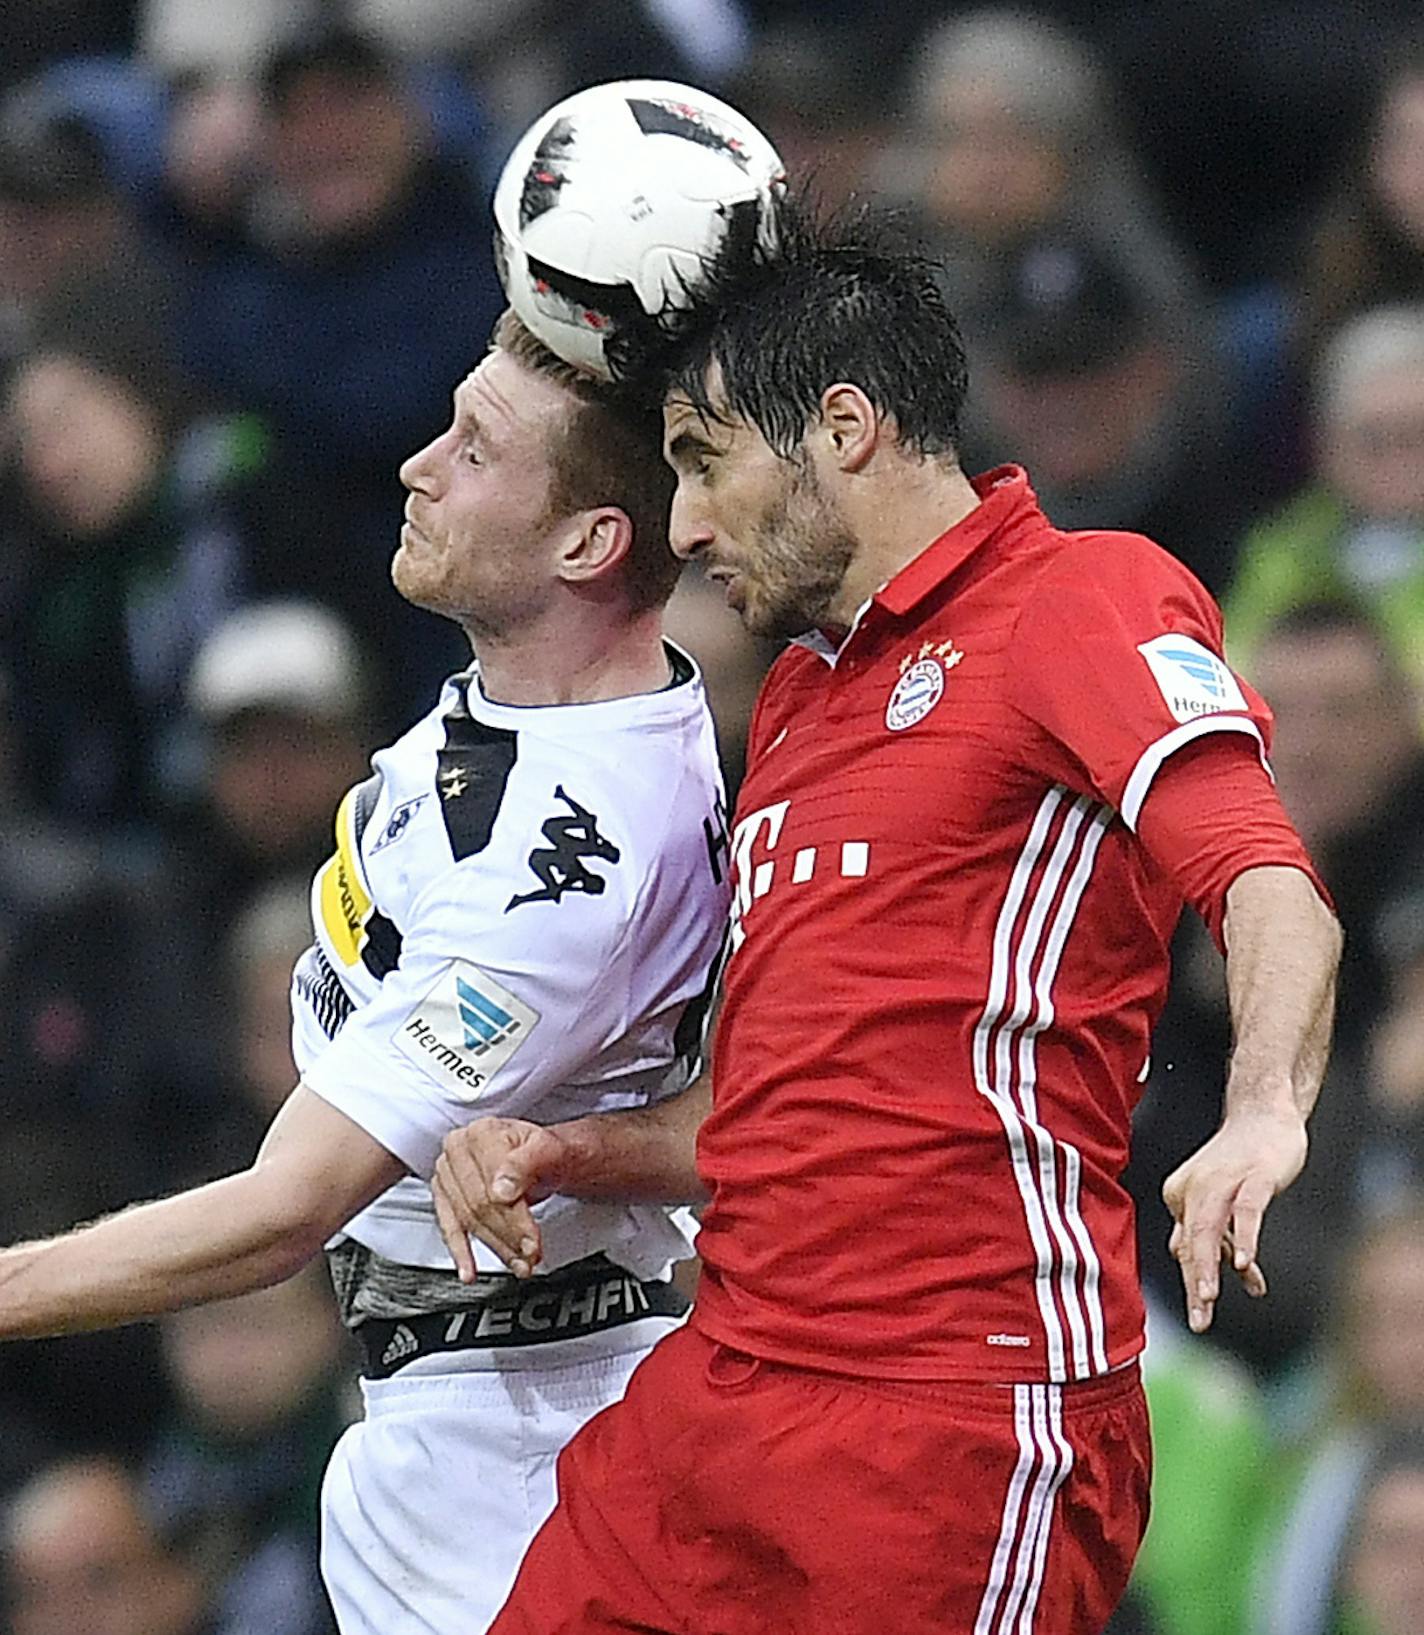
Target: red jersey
{"points": [[949, 951]]}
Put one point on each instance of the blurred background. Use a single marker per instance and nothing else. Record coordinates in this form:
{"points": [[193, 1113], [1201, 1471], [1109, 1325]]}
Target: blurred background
{"points": [[243, 260]]}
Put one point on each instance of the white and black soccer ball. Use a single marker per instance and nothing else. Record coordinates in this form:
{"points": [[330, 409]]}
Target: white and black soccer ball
{"points": [[613, 204]]}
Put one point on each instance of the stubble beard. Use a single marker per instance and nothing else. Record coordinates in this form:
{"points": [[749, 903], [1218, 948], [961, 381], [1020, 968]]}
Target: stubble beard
{"points": [[806, 550], [493, 612]]}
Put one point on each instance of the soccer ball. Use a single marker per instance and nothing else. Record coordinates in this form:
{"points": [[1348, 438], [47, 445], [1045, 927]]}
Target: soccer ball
{"points": [[614, 202]]}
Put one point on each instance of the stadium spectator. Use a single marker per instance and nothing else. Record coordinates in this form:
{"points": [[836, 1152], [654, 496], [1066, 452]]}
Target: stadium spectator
{"points": [[1367, 248], [1011, 132], [1381, 1588], [261, 1389], [190, 40], [61, 896], [83, 1554], [1394, 1159], [1108, 394], [280, 689], [124, 546], [278, 693], [211, 1120], [827, 116], [1374, 1387], [1357, 530], [1210, 1482], [350, 289], [1349, 765], [266, 940], [61, 219], [523, 55]]}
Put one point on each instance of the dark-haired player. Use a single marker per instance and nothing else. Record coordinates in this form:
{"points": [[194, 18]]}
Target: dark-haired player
{"points": [[995, 762], [520, 915]]}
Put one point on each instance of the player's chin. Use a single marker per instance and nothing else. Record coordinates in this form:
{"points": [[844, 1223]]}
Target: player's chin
{"points": [[770, 619], [751, 606], [414, 578]]}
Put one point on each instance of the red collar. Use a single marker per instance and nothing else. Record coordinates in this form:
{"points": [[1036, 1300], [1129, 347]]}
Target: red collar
{"points": [[1005, 497]]}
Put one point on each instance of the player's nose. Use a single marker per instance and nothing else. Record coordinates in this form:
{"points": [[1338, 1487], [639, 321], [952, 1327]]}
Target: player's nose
{"points": [[690, 529], [419, 471]]}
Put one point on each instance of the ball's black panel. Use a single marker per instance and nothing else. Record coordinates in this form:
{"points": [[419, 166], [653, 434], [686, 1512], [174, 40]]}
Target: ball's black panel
{"points": [[616, 302], [675, 119], [547, 173], [632, 335], [739, 242]]}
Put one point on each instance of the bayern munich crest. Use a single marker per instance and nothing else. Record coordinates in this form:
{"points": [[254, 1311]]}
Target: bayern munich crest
{"points": [[916, 693]]}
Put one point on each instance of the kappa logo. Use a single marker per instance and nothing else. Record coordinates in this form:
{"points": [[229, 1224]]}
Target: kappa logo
{"points": [[559, 866], [1191, 678], [921, 683], [464, 1029]]}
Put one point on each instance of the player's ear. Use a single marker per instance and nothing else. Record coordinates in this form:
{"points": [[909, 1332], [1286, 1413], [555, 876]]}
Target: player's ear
{"points": [[849, 425], [596, 544]]}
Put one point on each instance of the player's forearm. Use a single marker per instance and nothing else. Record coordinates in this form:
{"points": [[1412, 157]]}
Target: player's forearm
{"points": [[1282, 952], [223, 1239], [639, 1155]]}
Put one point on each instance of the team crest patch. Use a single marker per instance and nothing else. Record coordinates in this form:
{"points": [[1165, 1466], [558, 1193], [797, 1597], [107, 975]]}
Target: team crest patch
{"points": [[465, 1029], [397, 824], [916, 693], [1191, 678]]}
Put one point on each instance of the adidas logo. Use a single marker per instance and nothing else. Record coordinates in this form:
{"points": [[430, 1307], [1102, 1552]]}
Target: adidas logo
{"points": [[403, 1343]]}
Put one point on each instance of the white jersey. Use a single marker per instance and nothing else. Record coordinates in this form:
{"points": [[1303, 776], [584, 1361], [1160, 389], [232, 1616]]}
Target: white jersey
{"points": [[520, 918]]}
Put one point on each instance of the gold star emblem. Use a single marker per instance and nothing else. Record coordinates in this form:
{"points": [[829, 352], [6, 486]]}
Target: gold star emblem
{"points": [[454, 781], [945, 651]]}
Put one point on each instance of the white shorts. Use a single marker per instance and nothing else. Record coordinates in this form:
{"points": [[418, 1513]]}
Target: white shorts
{"points": [[430, 1501]]}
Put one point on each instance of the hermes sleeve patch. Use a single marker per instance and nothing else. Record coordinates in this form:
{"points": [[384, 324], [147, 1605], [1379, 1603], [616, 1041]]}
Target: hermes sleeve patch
{"points": [[465, 1029], [1191, 678]]}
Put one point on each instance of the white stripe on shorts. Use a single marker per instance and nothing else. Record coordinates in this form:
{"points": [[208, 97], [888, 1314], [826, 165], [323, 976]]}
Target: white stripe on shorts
{"points": [[1045, 1456]]}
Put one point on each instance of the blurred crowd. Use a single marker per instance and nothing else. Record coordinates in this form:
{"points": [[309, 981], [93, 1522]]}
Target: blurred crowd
{"points": [[244, 257]]}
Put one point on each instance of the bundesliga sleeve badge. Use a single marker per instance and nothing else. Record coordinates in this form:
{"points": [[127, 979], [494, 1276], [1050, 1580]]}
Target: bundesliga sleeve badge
{"points": [[465, 1029], [1191, 678]]}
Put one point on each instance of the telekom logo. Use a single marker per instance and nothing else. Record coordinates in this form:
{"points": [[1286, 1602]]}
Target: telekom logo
{"points": [[752, 879]]}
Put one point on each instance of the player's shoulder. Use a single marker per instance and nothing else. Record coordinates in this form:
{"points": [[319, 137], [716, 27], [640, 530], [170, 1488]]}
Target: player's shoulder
{"points": [[1111, 560], [1095, 576]]}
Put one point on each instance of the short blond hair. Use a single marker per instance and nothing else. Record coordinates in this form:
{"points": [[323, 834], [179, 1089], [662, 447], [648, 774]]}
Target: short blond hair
{"points": [[610, 453]]}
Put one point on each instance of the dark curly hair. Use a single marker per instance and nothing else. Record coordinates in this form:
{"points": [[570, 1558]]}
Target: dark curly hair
{"points": [[840, 297]]}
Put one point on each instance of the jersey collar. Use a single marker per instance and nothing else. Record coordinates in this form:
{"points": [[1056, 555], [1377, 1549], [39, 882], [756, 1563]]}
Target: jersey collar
{"points": [[1005, 497]]}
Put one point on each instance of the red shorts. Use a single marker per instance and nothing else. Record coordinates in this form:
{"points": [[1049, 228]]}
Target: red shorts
{"points": [[729, 1496]]}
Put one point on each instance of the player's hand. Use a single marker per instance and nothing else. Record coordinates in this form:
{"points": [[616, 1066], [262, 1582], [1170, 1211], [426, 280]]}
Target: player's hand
{"points": [[486, 1177], [1219, 1197]]}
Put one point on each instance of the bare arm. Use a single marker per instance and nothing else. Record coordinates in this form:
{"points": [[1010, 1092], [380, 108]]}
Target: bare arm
{"points": [[1282, 953], [316, 1169], [492, 1170]]}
